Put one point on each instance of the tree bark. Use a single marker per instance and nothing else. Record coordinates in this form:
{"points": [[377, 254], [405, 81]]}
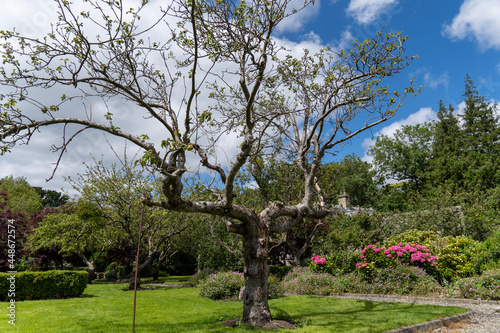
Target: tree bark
{"points": [[139, 269], [91, 269], [255, 252]]}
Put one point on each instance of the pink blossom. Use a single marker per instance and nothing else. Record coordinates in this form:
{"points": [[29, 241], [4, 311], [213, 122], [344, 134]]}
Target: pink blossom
{"points": [[389, 256], [321, 261], [362, 257], [400, 254], [369, 246], [400, 244], [358, 265], [387, 251], [363, 251], [377, 250]]}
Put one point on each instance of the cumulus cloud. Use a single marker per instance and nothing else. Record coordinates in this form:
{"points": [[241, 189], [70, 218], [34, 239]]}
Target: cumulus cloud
{"points": [[477, 19], [367, 11], [297, 21], [421, 116], [433, 81]]}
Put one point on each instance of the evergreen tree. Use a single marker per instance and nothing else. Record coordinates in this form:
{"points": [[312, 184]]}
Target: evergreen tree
{"points": [[480, 140], [445, 165]]}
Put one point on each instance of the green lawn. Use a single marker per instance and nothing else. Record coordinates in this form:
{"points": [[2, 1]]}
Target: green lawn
{"points": [[108, 308]]}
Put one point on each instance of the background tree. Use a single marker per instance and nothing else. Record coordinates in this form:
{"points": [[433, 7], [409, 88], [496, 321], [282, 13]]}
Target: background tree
{"points": [[51, 198], [116, 192], [233, 77], [480, 140], [406, 155], [21, 196], [445, 165], [80, 230], [354, 176]]}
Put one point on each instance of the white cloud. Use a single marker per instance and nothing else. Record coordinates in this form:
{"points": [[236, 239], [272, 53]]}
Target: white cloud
{"points": [[477, 19], [367, 11], [434, 81], [297, 21], [421, 116]]}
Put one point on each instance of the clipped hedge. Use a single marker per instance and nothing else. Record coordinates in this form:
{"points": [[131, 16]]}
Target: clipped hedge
{"points": [[42, 285]]}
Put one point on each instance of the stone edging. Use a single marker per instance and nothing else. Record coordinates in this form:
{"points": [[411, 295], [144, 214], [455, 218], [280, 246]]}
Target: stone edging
{"points": [[433, 324]]}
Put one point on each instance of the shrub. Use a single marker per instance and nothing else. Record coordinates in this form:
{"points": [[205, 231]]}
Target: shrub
{"points": [[280, 271], [199, 277], [429, 239], [486, 286], [338, 263], [303, 281], [222, 285], [412, 255], [402, 280], [456, 259], [488, 255], [43, 285], [275, 288]]}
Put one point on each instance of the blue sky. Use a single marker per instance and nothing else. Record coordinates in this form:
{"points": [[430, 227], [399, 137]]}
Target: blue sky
{"points": [[451, 38]]}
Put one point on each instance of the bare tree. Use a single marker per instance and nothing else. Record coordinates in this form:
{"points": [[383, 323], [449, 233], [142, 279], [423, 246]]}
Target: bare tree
{"points": [[219, 71]]}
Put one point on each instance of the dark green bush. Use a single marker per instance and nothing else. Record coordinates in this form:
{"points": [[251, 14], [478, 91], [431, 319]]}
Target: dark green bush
{"points": [[43, 285], [279, 271], [488, 254]]}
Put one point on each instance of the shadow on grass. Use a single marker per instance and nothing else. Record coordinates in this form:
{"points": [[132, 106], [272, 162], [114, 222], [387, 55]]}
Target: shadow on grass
{"points": [[364, 316]]}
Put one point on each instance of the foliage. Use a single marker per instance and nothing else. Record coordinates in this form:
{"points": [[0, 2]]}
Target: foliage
{"points": [[406, 155], [279, 271], [427, 238], [484, 287], [117, 272], [352, 232], [222, 285], [20, 195], [200, 276], [51, 198], [275, 288], [412, 255], [488, 254], [456, 259], [401, 280], [354, 176], [337, 263], [303, 281], [44, 285]]}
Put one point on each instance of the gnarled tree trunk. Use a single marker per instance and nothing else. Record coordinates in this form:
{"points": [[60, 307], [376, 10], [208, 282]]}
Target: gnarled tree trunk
{"points": [[255, 252]]}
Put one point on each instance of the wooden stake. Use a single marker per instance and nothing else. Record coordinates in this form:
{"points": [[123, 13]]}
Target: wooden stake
{"points": [[136, 267]]}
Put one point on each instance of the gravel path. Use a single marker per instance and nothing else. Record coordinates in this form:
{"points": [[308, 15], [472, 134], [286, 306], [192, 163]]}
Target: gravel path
{"points": [[485, 317]]}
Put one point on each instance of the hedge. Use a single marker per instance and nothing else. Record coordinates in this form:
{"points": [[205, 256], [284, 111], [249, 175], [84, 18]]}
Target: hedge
{"points": [[42, 285]]}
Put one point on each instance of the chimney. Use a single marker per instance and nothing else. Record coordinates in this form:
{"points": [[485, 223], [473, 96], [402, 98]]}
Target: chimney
{"points": [[344, 199]]}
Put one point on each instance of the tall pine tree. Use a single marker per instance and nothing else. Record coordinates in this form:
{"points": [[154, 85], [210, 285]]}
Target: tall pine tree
{"points": [[445, 165], [480, 140]]}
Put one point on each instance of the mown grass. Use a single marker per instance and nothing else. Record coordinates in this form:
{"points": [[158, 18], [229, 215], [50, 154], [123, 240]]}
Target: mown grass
{"points": [[108, 308]]}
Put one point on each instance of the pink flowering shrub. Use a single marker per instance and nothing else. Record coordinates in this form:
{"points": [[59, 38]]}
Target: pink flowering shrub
{"points": [[413, 255], [319, 264]]}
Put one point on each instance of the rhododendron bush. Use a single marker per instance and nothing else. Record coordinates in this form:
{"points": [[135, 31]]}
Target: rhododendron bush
{"points": [[412, 255]]}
